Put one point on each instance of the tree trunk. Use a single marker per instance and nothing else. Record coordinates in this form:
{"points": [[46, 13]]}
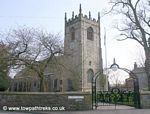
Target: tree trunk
{"points": [[42, 84], [147, 66]]}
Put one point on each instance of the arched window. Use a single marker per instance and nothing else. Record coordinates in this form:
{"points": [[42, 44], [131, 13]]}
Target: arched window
{"points": [[90, 75], [72, 31], [90, 33]]}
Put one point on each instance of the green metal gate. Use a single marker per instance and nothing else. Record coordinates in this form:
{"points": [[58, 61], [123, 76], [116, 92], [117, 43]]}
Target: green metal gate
{"points": [[116, 96]]}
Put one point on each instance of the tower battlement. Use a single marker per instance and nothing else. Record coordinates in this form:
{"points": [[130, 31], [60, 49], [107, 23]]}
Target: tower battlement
{"points": [[79, 17]]}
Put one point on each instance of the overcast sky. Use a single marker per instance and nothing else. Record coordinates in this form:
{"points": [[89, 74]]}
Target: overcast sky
{"points": [[49, 15]]}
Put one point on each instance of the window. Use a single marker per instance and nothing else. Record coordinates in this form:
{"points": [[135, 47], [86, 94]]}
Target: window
{"points": [[72, 31], [35, 84], [90, 33], [90, 75], [55, 83], [20, 86], [15, 87], [24, 87], [28, 86], [70, 85]]}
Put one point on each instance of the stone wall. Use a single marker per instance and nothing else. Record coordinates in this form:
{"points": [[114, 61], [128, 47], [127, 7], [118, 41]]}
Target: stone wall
{"points": [[50, 101], [145, 99]]}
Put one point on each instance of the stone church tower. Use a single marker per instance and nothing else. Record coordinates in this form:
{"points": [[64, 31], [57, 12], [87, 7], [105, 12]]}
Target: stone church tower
{"points": [[74, 70], [82, 47]]}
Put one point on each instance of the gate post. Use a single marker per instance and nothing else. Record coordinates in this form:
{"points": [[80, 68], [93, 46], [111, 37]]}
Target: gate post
{"points": [[94, 106], [136, 90]]}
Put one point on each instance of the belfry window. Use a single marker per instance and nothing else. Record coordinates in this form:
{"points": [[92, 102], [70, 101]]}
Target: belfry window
{"points": [[72, 30], [90, 33]]}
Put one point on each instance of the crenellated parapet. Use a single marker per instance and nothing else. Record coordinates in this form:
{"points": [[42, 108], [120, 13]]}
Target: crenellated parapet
{"points": [[79, 17]]}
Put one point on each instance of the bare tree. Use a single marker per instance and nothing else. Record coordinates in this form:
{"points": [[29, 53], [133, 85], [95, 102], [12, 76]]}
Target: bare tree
{"points": [[135, 24], [4, 67], [140, 59], [33, 49], [115, 79], [103, 82]]}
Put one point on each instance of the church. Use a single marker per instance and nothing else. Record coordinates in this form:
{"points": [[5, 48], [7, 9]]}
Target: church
{"points": [[82, 59]]}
